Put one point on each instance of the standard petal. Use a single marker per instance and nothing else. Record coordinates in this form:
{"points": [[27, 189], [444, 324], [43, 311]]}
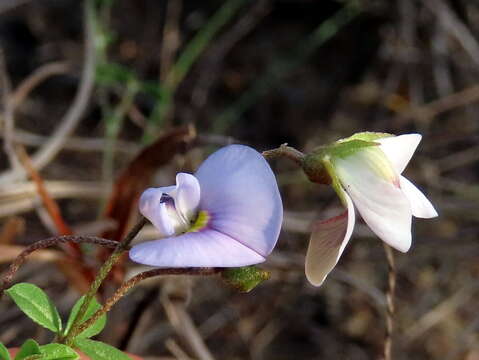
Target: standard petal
{"points": [[421, 207], [239, 191], [154, 210], [399, 149], [382, 204], [187, 195], [327, 243], [206, 248]]}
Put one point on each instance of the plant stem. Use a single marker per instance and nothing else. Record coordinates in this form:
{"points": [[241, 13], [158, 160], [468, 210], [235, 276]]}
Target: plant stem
{"points": [[42, 244], [101, 276], [390, 306], [127, 285], [286, 151]]}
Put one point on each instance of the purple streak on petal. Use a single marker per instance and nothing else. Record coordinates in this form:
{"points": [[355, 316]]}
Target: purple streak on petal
{"points": [[327, 243], [239, 191], [206, 248], [155, 209], [186, 195]]}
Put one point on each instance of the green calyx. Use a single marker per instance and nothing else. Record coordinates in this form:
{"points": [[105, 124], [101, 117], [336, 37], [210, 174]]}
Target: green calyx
{"points": [[201, 221], [319, 164], [244, 279]]}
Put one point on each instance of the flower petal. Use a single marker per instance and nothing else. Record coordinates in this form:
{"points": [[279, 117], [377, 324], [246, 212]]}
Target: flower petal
{"points": [[421, 207], [239, 191], [381, 203], [154, 210], [399, 149], [206, 248], [327, 243], [186, 195]]}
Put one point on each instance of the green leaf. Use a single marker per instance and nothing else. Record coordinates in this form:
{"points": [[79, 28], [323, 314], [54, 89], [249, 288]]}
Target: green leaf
{"points": [[58, 352], [36, 305], [4, 354], [246, 278], [29, 347], [93, 330], [97, 350]]}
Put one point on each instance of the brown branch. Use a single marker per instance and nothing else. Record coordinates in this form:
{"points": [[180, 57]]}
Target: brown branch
{"points": [[42, 244], [127, 285]]}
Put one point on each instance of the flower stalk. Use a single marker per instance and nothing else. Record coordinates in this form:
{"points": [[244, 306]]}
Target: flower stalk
{"points": [[127, 285], [390, 305], [101, 276]]}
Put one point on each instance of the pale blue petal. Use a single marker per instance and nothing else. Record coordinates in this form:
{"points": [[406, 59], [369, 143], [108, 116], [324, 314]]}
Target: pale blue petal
{"points": [[151, 207], [239, 191], [206, 248], [187, 195]]}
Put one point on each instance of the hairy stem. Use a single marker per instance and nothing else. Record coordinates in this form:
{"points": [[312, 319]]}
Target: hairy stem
{"points": [[42, 244], [127, 285], [101, 276], [390, 306]]}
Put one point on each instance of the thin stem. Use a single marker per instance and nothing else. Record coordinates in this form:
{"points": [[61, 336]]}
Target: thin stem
{"points": [[390, 306], [285, 151], [127, 285], [42, 244], [101, 276]]}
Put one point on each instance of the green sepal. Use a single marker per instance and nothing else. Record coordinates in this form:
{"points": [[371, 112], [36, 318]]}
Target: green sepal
{"points": [[58, 352], [368, 136], [244, 279], [98, 350], [28, 349], [36, 305], [4, 354], [93, 330]]}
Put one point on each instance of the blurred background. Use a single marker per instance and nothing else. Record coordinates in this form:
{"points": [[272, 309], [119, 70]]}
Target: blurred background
{"points": [[103, 99]]}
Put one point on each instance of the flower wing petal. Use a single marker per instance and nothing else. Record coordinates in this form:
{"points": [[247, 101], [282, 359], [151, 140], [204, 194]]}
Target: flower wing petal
{"points": [[151, 207], [239, 191], [327, 243], [381, 203], [205, 248], [399, 149], [421, 207], [187, 195]]}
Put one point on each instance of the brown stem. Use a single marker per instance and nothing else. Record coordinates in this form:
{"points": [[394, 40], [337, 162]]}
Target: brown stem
{"points": [[286, 151], [390, 306], [42, 244], [101, 276], [127, 285]]}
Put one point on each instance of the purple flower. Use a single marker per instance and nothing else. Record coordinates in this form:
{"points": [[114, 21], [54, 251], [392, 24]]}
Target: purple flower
{"points": [[227, 214]]}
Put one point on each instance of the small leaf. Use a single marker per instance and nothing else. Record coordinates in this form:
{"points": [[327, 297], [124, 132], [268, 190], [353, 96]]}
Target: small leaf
{"points": [[36, 305], [93, 330], [4, 354], [246, 278], [58, 352], [29, 347], [97, 350]]}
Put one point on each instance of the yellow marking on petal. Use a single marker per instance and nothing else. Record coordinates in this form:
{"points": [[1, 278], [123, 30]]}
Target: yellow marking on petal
{"points": [[201, 221]]}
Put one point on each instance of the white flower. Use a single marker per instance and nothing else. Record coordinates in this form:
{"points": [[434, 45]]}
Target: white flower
{"points": [[369, 179]]}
